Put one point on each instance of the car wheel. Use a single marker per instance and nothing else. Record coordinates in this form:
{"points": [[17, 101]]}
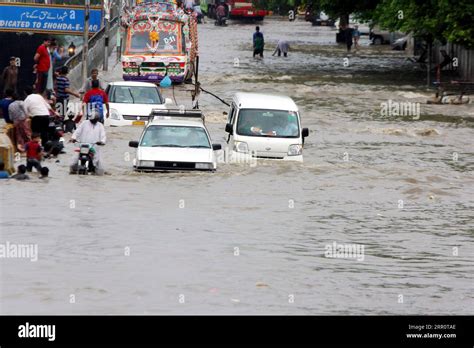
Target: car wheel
{"points": [[378, 40]]}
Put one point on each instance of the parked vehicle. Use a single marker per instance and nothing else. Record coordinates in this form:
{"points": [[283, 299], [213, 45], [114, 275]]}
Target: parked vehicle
{"points": [[175, 140], [384, 37], [321, 19], [132, 102], [400, 44], [364, 27], [265, 126], [237, 9]]}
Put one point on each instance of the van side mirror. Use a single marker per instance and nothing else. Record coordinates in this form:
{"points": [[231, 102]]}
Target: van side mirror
{"points": [[168, 101], [216, 147], [228, 128], [305, 132], [133, 143]]}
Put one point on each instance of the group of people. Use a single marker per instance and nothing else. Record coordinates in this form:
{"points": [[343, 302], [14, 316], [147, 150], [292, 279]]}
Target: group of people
{"points": [[259, 45], [40, 114], [351, 36]]}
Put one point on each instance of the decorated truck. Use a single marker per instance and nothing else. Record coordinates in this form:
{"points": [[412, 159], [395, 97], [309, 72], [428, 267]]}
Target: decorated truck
{"points": [[161, 39]]}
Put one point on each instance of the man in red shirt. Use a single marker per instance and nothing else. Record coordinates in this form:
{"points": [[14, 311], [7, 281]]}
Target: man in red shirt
{"points": [[43, 63], [95, 100]]}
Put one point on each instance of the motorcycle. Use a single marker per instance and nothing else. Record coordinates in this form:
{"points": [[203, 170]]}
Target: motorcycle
{"points": [[85, 161], [221, 22]]}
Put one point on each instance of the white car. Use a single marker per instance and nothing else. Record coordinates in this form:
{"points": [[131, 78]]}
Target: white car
{"points": [[175, 140], [132, 102], [265, 126]]}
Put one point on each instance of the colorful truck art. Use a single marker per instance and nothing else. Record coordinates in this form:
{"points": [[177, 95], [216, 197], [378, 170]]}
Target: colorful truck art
{"points": [[161, 39]]}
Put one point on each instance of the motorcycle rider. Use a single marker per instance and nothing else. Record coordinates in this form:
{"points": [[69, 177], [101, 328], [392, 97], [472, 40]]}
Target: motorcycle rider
{"points": [[91, 131], [220, 12]]}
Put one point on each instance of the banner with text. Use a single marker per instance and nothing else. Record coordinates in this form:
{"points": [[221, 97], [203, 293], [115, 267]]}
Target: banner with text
{"points": [[48, 19]]}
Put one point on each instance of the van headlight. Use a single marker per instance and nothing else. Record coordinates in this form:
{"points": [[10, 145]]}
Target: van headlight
{"points": [[204, 166], [295, 150], [241, 146], [147, 163], [114, 114]]}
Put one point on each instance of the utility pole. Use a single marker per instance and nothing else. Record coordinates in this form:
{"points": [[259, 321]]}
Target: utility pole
{"points": [[119, 31], [85, 47], [107, 6]]}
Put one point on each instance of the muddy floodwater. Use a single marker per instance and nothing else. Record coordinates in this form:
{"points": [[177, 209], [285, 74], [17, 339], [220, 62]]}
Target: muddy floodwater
{"points": [[254, 239]]}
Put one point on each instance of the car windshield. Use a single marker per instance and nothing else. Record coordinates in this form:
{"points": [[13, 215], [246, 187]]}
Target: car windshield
{"points": [[136, 95], [175, 136], [268, 123]]}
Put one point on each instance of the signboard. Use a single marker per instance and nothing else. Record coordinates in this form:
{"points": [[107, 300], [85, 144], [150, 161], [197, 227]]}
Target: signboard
{"points": [[48, 19]]}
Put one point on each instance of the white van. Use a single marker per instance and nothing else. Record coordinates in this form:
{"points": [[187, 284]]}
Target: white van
{"points": [[265, 126]]}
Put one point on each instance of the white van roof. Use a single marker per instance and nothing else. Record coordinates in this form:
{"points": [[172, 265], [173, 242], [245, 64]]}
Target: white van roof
{"points": [[264, 101]]}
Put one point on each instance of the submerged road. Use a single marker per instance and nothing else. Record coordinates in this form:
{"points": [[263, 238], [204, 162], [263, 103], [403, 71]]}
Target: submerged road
{"points": [[264, 239]]}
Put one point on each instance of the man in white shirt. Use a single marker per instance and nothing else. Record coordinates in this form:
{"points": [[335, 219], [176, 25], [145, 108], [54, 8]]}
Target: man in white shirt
{"points": [[91, 131], [38, 109]]}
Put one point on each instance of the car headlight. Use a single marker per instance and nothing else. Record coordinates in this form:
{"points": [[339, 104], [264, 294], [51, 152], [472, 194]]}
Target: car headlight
{"points": [[204, 166], [241, 146], [147, 163], [114, 114], [295, 150]]}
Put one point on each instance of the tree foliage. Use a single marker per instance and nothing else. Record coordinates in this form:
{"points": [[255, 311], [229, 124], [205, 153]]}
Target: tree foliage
{"points": [[443, 20]]}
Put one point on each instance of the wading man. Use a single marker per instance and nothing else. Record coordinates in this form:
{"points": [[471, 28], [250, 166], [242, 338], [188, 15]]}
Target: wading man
{"points": [[258, 43]]}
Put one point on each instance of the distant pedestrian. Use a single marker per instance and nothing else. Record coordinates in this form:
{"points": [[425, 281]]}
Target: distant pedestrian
{"points": [[356, 36], [63, 90], [282, 47], [95, 99], [9, 77], [3, 173], [18, 116], [258, 43], [87, 86], [39, 110], [34, 153], [348, 37], [21, 173], [43, 63], [4, 104]]}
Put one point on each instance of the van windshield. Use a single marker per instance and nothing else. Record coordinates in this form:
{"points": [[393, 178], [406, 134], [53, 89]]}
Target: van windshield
{"points": [[268, 123]]}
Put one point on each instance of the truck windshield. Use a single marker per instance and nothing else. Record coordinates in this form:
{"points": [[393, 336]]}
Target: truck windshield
{"points": [[168, 39], [268, 123], [175, 136]]}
